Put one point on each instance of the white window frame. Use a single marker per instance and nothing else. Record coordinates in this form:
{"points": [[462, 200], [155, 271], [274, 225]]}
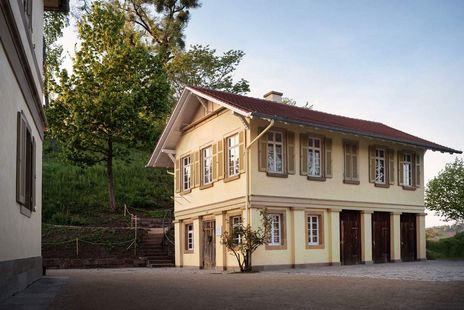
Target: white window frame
{"points": [[272, 145], [379, 159], [189, 241], [313, 219], [186, 173], [315, 160], [407, 169], [207, 165], [275, 220], [236, 221], [233, 155]]}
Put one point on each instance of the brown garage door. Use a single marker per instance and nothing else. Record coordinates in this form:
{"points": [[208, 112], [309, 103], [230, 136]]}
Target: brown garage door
{"points": [[350, 237], [381, 237], [408, 237]]}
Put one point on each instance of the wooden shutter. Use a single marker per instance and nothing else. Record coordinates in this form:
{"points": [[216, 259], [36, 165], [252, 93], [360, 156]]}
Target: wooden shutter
{"points": [[262, 151], [391, 166], [220, 159], [20, 160], [354, 157], [215, 163], [418, 169], [197, 170], [242, 159], [303, 154], [371, 164], [400, 168], [290, 152], [348, 162], [33, 175], [192, 170], [328, 157], [178, 176]]}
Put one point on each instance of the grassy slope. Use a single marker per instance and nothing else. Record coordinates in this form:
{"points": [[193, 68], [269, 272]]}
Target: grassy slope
{"points": [[447, 248]]}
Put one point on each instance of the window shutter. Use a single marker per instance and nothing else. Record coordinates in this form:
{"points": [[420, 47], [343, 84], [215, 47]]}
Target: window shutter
{"points": [[328, 157], [262, 151], [371, 164], [196, 171], [20, 160], [391, 166], [303, 154], [348, 162], [400, 168], [215, 163], [418, 169], [242, 160], [290, 152], [354, 157], [178, 176], [192, 170], [220, 159], [34, 176]]}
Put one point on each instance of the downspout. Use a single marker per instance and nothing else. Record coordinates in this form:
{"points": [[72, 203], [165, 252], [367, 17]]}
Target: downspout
{"points": [[247, 204]]}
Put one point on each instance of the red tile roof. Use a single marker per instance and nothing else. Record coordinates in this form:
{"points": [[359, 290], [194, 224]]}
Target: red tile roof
{"points": [[292, 114]]}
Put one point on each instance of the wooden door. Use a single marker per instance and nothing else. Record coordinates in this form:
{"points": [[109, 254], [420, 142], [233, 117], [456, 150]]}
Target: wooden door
{"points": [[350, 237], [408, 237], [381, 237], [209, 245]]}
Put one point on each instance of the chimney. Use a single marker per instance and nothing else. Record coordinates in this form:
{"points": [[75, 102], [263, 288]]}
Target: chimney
{"points": [[273, 96]]}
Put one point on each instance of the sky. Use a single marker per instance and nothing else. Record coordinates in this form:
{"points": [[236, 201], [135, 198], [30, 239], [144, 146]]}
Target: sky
{"points": [[396, 62]]}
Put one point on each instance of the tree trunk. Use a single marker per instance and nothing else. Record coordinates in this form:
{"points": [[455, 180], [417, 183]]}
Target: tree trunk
{"points": [[109, 172]]}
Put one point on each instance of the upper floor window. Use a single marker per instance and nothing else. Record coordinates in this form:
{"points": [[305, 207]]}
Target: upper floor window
{"points": [[233, 155], [275, 153], [380, 177], [351, 163], [314, 157], [276, 229], [186, 173], [381, 166], [407, 169], [207, 165]]}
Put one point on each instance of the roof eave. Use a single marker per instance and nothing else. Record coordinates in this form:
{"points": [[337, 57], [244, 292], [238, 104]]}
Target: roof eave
{"points": [[356, 132]]}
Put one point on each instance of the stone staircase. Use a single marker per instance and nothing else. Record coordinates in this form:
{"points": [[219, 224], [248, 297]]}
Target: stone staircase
{"points": [[151, 248]]}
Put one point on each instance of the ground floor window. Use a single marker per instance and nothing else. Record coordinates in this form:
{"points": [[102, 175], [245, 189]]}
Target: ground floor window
{"points": [[276, 229], [313, 230], [189, 237], [236, 223]]}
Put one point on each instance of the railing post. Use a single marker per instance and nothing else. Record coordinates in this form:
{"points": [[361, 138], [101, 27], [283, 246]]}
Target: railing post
{"points": [[77, 246]]}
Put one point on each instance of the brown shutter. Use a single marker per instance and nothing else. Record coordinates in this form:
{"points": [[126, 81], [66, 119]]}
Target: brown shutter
{"points": [[20, 160], [354, 157], [220, 159], [34, 176], [196, 172], [348, 161], [290, 152], [400, 167], [192, 170], [303, 154], [215, 163], [262, 151], [178, 176], [418, 169], [241, 148], [391, 166], [328, 157], [371, 164]]}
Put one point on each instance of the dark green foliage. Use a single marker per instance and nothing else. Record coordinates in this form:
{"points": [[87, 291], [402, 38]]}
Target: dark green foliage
{"points": [[73, 195], [449, 248]]}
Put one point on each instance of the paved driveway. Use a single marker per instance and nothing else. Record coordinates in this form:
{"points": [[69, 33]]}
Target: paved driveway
{"points": [[351, 287]]}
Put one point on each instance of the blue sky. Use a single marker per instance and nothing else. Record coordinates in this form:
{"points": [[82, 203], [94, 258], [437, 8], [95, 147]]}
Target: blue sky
{"points": [[397, 62]]}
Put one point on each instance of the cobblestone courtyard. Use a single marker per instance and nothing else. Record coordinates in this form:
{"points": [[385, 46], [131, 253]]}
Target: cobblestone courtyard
{"points": [[421, 285]]}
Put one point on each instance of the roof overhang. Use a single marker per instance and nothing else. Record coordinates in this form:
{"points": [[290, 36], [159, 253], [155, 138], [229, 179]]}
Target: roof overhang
{"points": [[438, 148], [57, 6]]}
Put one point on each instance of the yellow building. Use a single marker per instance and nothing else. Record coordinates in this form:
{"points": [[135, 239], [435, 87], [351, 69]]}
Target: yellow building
{"points": [[337, 189]]}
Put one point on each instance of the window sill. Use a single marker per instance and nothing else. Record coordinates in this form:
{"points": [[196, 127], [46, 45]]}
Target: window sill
{"points": [[188, 191], [205, 186], [188, 251], [232, 178], [382, 185], [409, 188], [353, 182], [25, 211], [276, 247], [314, 247], [277, 175], [319, 179]]}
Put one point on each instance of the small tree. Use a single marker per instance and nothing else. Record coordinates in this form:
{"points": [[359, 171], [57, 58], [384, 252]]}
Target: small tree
{"points": [[242, 241], [445, 192]]}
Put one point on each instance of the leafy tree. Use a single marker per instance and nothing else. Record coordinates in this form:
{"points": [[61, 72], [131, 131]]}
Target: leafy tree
{"points": [[242, 241], [445, 192], [54, 22], [200, 66], [117, 95]]}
